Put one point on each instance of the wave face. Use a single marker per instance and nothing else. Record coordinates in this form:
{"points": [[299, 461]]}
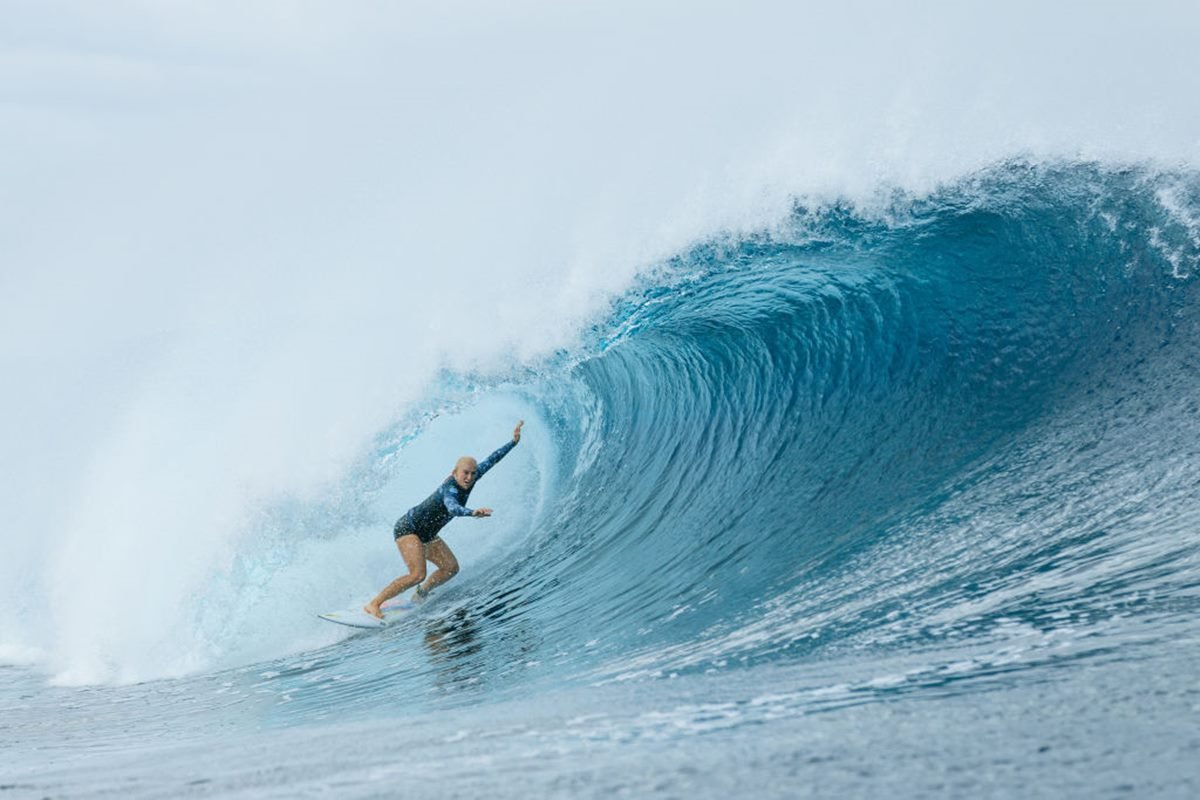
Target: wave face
{"points": [[960, 420], [936, 447], [935, 420]]}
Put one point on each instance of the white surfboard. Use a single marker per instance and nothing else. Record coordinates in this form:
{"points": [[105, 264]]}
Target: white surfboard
{"points": [[357, 618]]}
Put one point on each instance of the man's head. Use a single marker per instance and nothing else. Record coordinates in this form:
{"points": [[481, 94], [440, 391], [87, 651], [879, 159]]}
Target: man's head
{"points": [[464, 472]]}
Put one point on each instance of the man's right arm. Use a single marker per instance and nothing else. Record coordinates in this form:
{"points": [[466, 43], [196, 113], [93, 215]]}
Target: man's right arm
{"points": [[453, 504]]}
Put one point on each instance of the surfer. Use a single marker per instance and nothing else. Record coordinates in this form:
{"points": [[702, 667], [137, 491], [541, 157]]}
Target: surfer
{"points": [[416, 533]]}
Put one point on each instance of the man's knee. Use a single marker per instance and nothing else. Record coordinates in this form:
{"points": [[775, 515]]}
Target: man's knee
{"points": [[417, 574]]}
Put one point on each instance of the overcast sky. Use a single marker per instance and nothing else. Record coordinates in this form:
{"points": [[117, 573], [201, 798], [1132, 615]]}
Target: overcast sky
{"points": [[239, 239]]}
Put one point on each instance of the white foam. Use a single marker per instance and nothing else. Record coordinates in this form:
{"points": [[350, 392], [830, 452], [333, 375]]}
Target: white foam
{"points": [[239, 245]]}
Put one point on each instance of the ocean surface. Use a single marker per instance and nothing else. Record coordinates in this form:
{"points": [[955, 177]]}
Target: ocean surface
{"points": [[858, 349], [902, 502]]}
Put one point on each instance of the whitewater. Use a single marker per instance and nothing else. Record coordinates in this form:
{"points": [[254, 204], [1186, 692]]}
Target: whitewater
{"points": [[858, 349]]}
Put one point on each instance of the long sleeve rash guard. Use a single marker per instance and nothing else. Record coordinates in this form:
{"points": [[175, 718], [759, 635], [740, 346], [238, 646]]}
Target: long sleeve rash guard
{"points": [[447, 502]]}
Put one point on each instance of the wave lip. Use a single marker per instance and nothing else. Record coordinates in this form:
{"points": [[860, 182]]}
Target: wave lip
{"points": [[783, 445], [862, 430]]}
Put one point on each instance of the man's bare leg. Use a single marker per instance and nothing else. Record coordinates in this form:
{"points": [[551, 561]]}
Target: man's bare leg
{"points": [[413, 553], [439, 553]]}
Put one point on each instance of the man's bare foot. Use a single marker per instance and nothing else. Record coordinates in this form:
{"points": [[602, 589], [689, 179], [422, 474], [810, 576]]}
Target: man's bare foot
{"points": [[372, 608]]}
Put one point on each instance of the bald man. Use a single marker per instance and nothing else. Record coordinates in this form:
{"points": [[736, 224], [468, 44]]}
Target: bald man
{"points": [[416, 533]]}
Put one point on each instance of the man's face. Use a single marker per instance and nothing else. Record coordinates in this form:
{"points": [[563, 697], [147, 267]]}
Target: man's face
{"points": [[464, 472]]}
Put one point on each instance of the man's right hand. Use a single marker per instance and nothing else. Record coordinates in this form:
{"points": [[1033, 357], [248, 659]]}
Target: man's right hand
{"points": [[517, 431], [482, 512]]}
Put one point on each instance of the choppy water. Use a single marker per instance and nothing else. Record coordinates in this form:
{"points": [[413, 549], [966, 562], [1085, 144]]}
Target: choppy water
{"points": [[867, 502]]}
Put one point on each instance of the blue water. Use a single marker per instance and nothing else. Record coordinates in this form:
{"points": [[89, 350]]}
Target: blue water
{"points": [[898, 500]]}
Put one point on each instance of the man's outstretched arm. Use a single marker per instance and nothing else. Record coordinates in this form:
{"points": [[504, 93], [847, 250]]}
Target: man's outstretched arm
{"points": [[491, 460], [454, 505]]}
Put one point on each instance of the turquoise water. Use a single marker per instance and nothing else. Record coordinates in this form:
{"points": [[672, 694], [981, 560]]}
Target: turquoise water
{"points": [[899, 501]]}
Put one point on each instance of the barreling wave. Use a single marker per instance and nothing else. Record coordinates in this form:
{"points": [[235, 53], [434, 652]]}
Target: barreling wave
{"points": [[943, 415], [958, 425]]}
